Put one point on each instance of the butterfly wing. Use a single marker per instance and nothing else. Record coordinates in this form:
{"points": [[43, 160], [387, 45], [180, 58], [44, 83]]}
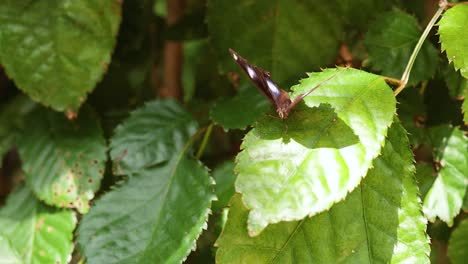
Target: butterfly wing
{"points": [[262, 81]]}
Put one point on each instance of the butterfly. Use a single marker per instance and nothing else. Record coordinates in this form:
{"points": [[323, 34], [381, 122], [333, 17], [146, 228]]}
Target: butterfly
{"points": [[262, 80]]}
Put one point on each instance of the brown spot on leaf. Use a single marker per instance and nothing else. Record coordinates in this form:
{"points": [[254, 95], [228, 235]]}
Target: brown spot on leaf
{"points": [[70, 114], [40, 223]]}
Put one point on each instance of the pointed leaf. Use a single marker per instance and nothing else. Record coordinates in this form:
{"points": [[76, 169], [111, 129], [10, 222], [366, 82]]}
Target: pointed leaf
{"points": [[390, 42], [303, 165], [12, 121], [445, 198], [7, 253], [159, 213], [155, 217], [458, 244], [241, 110], [56, 51], [151, 135], [38, 233], [424, 177], [454, 37], [379, 222], [285, 37], [63, 160]]}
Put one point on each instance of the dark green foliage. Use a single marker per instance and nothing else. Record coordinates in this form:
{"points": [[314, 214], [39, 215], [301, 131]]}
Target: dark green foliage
{"points": [[363, 169]]}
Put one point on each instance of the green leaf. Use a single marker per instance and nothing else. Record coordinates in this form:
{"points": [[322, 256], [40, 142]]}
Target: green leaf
{"points": [[38, 233], [56, 51], [390, 42], [454, 37], [424, 177], [303, 165], [151, 135], [224, 177], [357, 13], [155, 217], [12, 121], [159, 213], [379, 222], [63, 160], [458, 244], [445, 198], [284, 37], [7, 253], [241, 110]]}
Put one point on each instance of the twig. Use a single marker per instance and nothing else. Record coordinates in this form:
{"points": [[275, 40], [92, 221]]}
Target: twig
{"points": [[173, 55], [406, 74], [204, 141]]}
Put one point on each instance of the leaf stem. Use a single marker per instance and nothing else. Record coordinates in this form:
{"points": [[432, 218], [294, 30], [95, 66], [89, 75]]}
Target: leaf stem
{"points": [[204, 141], [405, 77], [192, 140]]}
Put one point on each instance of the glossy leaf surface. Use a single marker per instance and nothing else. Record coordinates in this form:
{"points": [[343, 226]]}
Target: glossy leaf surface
{"points": [[157, 215], [56, 51], [151, 135], [454, 36], [303, 165], [38, 233], [63, 160], [379, 222], [445, 198]]}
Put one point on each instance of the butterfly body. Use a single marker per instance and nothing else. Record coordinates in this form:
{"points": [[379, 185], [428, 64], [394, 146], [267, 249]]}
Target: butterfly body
{"points": [[262, 80]]}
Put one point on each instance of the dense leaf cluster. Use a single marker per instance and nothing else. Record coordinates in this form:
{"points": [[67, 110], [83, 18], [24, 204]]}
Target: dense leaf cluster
{"points": [[97, 168]]}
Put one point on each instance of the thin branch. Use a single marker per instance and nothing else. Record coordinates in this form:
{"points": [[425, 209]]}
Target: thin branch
{"points": [[409, 66], [204, 141], [173, 55]]}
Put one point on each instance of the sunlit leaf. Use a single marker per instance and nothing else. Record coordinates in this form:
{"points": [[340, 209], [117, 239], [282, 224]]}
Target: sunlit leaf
{"points": [[379, 222], [303, 165], [454, 37], [445, 198], [63, 160], [7, 253], [38, 233]]}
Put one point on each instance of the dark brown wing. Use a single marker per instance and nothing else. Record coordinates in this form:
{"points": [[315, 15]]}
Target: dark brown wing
{"points": [[262, 81]]}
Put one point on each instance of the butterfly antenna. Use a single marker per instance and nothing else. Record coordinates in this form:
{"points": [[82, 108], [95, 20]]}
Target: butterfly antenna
{"points": [[322, 82]]}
